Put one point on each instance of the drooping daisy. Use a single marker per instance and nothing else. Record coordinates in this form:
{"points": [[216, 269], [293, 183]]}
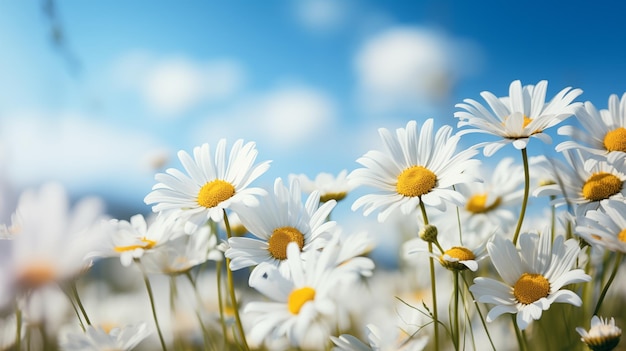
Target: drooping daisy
{"points": [[96, 338], [280, 218], [211, 185], [380, 340], [303, 309], [517, 117], [179, 255], [585, 181], [489, 205], [604, 131], [328, 186], [533, 281], [416, 166], [606, 227], [603, 335], [131, 239]]}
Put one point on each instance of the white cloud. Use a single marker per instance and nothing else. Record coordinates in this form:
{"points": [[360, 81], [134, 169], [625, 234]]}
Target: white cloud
{"points": [[287, 117], [321, 15], [171, 86], [82, 153], [408, 67]]}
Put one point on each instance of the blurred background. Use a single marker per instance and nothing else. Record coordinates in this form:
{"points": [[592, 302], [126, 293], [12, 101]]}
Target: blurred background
{"points": [[100, 95]]}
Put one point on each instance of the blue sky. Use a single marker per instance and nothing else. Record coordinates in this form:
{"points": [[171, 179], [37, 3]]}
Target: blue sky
{"points": [[310, 81]]}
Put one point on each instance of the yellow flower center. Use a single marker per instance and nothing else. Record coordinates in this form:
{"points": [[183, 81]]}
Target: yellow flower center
{"points": [[530, 287], [36, 274], [461, 254], [622, 236], [146, 244], [478, 204], [601, 186], [281, 237], [333, 196], [416, 181], [615, 140], [214, 192], [299, 297]]}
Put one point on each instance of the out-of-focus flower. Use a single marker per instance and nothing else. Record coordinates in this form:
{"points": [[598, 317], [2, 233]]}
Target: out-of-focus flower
{"points": [[211, 185], [380, 340], [517, 117], [606, 227], [414, 168], [328, 186], [97, 339]]}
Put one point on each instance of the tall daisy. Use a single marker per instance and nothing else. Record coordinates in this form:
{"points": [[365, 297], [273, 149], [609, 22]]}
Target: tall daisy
{"points": [[604, 131], [415, 167], [517, 117], [585, 181], [281, 218], [211, 185], [532, 282]]}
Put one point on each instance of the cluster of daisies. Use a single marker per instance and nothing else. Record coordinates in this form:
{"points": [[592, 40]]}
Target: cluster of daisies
{"points": [[223, 264]]}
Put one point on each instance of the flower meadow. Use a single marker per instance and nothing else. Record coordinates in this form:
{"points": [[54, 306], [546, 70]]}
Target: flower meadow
{"points": [[494, 253]]}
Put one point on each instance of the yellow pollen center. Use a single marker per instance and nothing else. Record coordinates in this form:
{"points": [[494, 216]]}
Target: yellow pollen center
{"points": [[530, 287], [622, 236], [460, 253], [214, 192], [416, 181], [615, 140], [601, 186], [36, 274], [299, 297], [146, 244], [478, 204], [281, 237], [527, 121]]}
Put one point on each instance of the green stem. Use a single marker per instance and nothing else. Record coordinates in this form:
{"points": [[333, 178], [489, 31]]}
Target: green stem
{"points": [[456, 330], [18, 328], [525, 200], [518, 334], [431, 262], [205, 332], [220, 300], [480, 314], [152, 305], [80, 304], [618, 261], [231, 289]]}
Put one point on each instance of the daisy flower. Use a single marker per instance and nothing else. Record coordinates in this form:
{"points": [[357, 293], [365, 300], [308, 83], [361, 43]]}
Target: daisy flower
{"points": [[379, 340], [131, 239], [604, 132], [603, 335], [280, 218], [97, 339], [489, 204], [518, 117], [605, 228], [50, 240], [533, 281], [211, 185], [328, 186], [303, 309], [585, 181], [416, 166]]}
